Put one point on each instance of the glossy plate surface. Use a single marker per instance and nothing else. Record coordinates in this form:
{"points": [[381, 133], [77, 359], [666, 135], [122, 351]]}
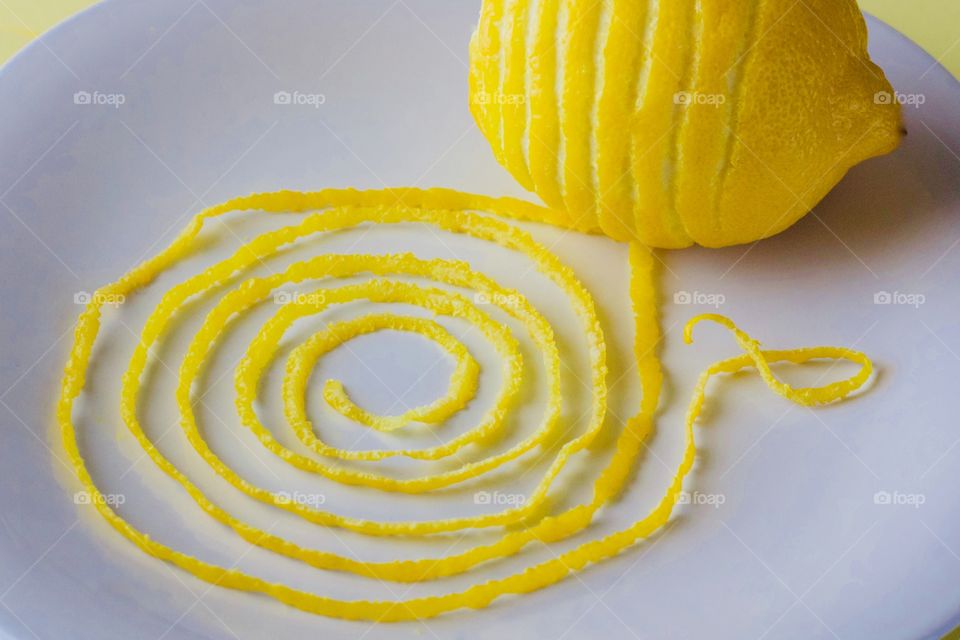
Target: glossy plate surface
{"points": [[841, 522]]}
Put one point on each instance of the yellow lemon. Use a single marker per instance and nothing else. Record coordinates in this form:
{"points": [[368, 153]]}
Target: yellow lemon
{"points": [[714, 122]]}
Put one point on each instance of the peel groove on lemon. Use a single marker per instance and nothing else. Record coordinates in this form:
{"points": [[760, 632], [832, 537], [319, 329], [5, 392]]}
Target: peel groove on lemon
{"points": [[674, 122], [332, 210]]}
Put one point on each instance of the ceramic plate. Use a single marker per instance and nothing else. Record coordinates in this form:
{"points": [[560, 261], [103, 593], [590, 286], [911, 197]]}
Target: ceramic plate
{"points": [[119, 124]]}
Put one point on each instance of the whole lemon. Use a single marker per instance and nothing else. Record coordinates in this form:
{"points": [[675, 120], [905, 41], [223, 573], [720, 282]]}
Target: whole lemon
{"points": [[676, 122]]}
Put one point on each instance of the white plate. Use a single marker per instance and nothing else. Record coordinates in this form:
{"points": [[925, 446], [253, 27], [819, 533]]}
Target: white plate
{"points": [[799, 548]]}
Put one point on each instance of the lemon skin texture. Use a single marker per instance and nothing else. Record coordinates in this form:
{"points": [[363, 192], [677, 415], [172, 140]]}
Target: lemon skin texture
{"points": [[672, 123]]}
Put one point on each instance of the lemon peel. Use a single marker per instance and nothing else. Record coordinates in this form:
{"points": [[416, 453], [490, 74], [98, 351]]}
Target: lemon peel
{"points": [[301, 361], [451, 211]]}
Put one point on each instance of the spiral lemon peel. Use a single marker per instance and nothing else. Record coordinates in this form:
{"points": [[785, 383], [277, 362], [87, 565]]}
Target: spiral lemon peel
{"points": [[464, 380], [453, 212]]}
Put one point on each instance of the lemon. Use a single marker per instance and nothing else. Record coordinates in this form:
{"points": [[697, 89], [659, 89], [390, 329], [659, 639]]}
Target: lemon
{"points": [[714, 122]]}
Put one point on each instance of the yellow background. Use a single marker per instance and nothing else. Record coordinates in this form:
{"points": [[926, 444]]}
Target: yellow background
{"points": [[933, 24]]}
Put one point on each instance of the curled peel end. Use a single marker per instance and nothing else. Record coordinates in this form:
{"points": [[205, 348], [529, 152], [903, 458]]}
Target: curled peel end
{"points": [[762, 359], [712, 317]]}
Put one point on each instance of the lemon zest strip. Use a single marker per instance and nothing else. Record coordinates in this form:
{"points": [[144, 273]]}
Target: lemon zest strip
{"points": [[450, 211]]}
